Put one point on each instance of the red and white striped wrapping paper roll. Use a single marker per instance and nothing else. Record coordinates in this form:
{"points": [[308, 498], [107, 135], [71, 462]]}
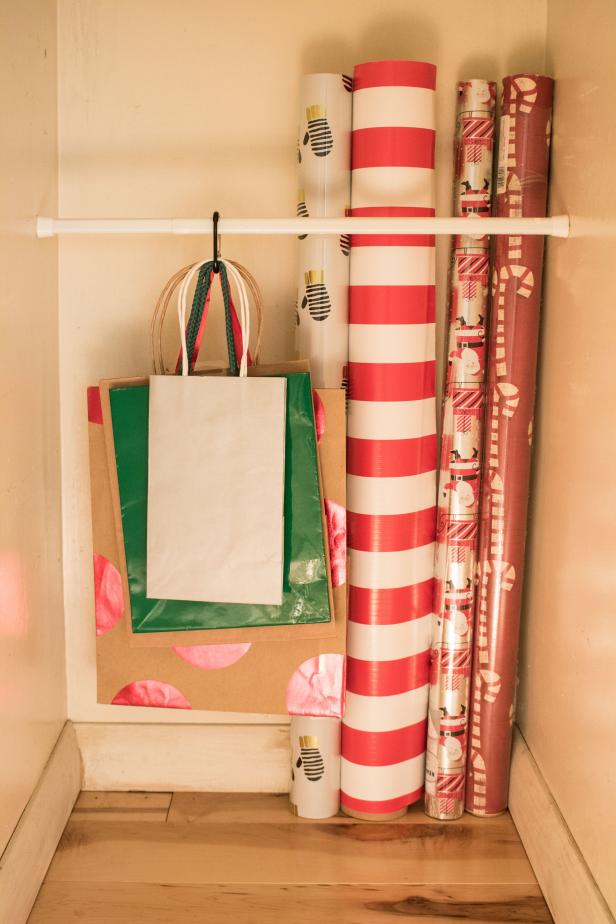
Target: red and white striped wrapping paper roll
{"points": [[391, 449], [462, 430]]}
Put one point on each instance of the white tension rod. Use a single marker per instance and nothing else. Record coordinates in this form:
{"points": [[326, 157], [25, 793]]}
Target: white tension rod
{"points": [[557, 226]]}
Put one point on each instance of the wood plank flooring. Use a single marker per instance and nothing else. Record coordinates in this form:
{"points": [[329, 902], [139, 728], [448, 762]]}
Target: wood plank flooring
{"points": [[193, 857]]}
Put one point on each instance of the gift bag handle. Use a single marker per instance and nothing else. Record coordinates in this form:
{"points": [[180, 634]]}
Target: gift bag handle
{"points": [[234, 336], [195, 326], [244, 315], [162, 306]]}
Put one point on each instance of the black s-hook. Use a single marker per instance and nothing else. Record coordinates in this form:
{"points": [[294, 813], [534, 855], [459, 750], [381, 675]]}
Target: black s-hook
{"points": [[215, 218]]}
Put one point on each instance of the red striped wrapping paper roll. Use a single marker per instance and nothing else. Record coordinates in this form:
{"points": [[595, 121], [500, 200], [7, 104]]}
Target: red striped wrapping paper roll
{"points": [[462, 429], [391, 449], [521, 190]]}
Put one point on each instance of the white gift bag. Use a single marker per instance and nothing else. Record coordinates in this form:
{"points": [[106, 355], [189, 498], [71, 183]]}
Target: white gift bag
{"points": [[216, 480]]}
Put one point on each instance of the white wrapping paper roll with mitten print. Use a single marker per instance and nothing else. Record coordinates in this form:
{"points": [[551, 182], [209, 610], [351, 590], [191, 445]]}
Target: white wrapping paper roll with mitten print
{"points": [[323, 299], [324, 190], [315, 766]]}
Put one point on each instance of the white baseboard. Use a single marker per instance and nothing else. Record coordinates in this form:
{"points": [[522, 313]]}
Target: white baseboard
{"points": [[32, 845], [214, 758], [565, 879]]}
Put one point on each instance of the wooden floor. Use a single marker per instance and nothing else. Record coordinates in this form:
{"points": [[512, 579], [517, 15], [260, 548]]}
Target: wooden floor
{"points": [[131, 858]]}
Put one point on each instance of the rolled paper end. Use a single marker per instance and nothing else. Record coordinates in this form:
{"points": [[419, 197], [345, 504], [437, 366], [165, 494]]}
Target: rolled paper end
{"points": [[476, 95]]}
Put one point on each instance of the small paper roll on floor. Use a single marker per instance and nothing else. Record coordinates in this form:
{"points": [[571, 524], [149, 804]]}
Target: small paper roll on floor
{"points": [[315, 766]]}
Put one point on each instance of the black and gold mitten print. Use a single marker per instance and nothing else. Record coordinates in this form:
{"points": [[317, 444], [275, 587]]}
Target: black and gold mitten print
{"points": [[310, 758], [316, 298], [318, 132]]}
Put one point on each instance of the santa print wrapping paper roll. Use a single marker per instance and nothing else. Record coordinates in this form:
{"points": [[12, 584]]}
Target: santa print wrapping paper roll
{"points": [[324, 191], [391, 445], [522, 183], [462, 429]]}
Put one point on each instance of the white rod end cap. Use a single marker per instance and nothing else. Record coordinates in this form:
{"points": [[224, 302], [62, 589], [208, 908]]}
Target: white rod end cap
{"points": [[44, 227], [561, 226]]}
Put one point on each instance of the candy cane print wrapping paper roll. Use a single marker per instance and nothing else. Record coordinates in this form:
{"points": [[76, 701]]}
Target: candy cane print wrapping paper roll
{"points": [[522, 184], [462, 431], [324, 191], [391, 446]]}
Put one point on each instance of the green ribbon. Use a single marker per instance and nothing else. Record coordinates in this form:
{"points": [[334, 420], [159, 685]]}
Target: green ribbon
{"points": [[202, 289]]}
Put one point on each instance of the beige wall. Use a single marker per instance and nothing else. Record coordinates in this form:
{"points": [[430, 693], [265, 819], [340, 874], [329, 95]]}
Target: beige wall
{"points": [[169, 110], [32, 697], [568, 657], [158, 118]]}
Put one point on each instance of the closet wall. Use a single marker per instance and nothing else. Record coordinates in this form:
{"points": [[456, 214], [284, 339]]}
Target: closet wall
{"points": [[168, 111], [164, 111], [567, 665], [32, 684]]}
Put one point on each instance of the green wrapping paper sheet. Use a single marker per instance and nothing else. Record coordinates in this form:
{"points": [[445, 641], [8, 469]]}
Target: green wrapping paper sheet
{"points": [[305, 583]]}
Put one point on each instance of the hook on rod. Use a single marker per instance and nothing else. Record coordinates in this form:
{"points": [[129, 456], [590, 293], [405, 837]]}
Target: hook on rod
{"points": [[216, 246]]}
